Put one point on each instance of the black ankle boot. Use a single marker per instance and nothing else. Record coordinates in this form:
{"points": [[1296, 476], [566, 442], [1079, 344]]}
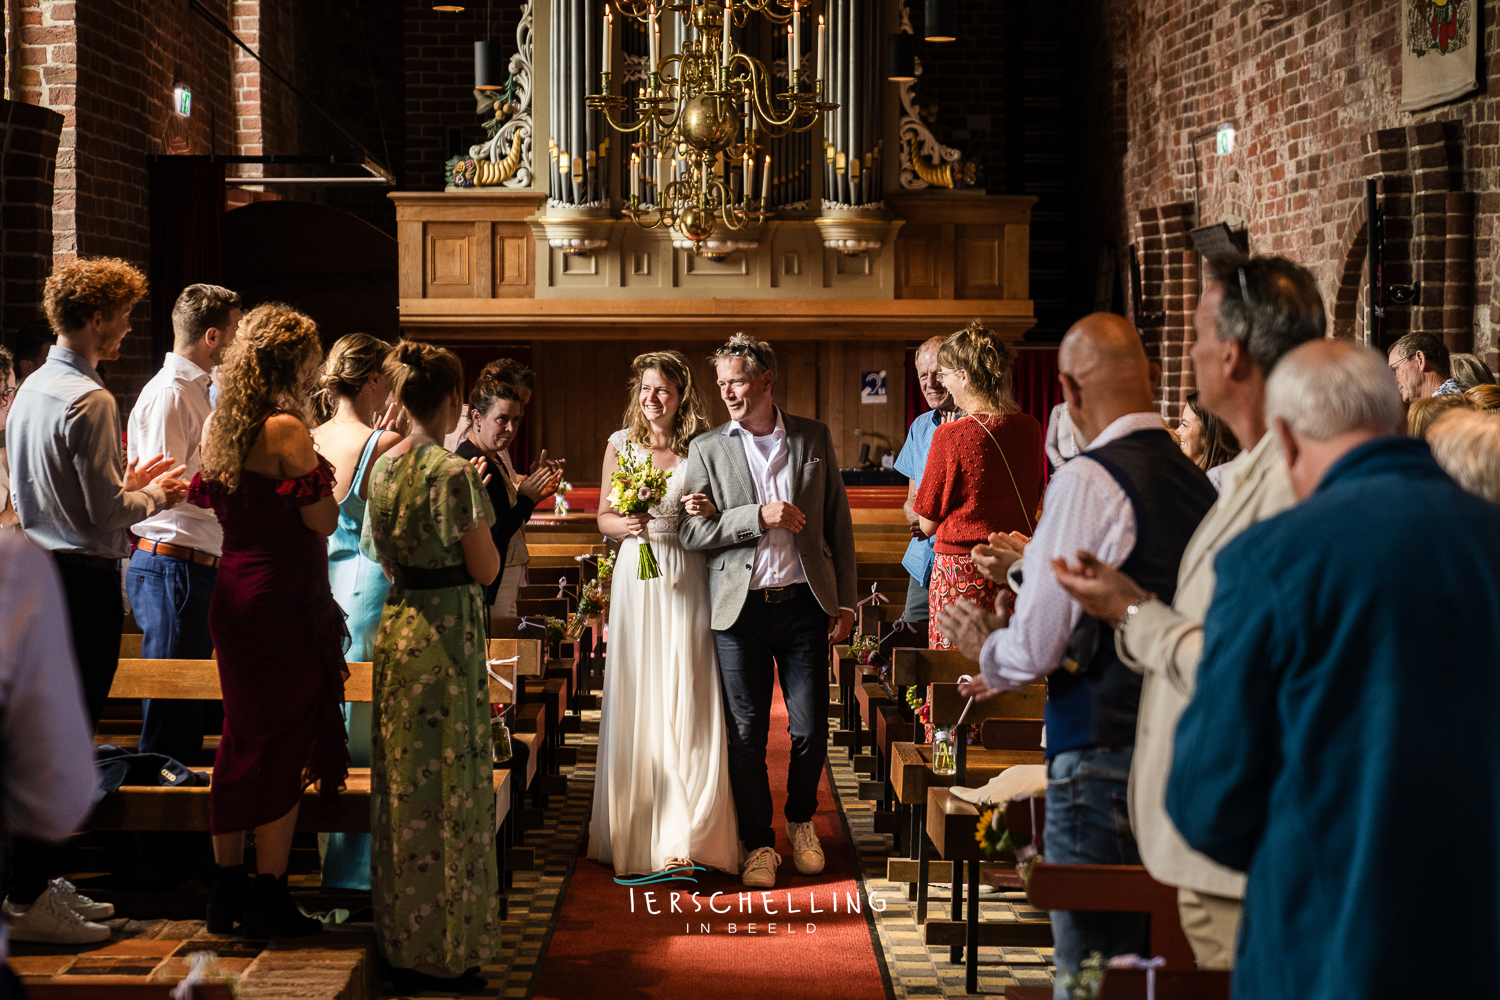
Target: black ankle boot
{"points": [[270, 912], [227, 904]]}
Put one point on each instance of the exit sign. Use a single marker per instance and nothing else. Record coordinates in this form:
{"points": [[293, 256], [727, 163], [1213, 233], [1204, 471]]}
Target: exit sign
{"points": [[1224, 140], [182, 100]]}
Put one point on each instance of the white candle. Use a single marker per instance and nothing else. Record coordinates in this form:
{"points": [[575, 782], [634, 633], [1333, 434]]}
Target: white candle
{"points": [[794, 58], [635, 176], [662, 180], [822, 28], [765, 180], [728, 15], [608, 22], [655, 40], [749, 173]]}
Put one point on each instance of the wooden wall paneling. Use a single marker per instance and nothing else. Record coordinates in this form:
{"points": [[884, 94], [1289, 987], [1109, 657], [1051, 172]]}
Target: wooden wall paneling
{"points": [[1017, 267], [484, 260], [411, 272], [946, 260], [916, 263], [449, 260], [515, 276]]}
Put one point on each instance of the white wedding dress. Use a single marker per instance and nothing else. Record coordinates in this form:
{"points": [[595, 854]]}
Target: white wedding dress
{"points": [[661, 789]]}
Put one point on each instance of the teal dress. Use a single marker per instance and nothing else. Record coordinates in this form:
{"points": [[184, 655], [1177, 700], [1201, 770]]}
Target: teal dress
{"points": [[360, 587]]}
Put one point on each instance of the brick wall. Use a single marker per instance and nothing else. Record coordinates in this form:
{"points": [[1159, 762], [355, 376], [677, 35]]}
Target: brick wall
{"points": [[1314, 98], [28, 159]]}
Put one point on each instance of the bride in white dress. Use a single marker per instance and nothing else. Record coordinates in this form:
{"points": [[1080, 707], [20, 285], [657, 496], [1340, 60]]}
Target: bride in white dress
{"points": [[661, 791]]}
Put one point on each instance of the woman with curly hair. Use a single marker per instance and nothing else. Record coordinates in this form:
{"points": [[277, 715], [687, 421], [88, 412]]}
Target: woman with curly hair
{"points": [[662, 798], [277, 631], [984, 472], [432, 800]]}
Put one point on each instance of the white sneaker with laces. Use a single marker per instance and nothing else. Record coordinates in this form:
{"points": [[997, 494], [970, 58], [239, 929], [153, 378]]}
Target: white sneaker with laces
{"points": [[51, 921], [79, 903], [760, 869], [807, 853]]}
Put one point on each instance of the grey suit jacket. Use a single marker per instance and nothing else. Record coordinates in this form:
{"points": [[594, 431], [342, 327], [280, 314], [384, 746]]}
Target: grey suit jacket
{"points": [[716, 465]]}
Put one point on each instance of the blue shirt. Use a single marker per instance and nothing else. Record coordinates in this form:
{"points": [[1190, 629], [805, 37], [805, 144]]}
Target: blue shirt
{"points": [[911, 463]]}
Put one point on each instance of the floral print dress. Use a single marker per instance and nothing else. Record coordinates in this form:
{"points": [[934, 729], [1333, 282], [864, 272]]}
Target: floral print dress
{"points": [[435, 885]]}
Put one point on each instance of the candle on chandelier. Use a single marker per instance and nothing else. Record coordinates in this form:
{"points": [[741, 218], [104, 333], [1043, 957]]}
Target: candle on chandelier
{"points": [[662, 178], [765, 180], [794, 57], [635, 176], [749, 173], [728, 15], [654, 34], [822, 38], [608, 23]]}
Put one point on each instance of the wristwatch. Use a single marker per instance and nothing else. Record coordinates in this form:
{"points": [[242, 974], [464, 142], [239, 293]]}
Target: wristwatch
{"points": [[1131, 611]]}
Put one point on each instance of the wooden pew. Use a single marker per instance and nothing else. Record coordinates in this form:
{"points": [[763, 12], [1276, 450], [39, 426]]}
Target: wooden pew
{"points": [[157, 808], [120, 988]]}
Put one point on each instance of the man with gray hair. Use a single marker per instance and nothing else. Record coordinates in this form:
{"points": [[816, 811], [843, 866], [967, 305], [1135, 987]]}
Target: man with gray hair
{"points": [[1251, 314], [1337, 686], [1421, 364]]}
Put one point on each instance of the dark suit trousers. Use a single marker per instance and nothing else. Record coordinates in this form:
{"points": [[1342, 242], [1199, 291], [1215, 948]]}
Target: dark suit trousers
{"points": [[790, 639]]}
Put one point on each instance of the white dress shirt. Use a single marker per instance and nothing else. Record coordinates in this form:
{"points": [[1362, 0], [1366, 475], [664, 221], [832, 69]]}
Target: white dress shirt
{"points": [[777, 561], [168, 420], [1084, 509]]}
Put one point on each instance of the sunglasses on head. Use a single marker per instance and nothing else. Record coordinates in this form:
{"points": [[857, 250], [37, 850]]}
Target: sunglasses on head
{"points": [[740, 350]]}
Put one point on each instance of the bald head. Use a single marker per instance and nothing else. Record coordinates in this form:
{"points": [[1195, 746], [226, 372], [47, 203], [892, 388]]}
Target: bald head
{"points": [[1104, 372]]}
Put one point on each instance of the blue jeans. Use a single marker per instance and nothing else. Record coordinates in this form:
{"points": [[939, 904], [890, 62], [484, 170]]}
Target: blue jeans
{"points": [[788, 640], [1088, 823], [169, 599]]}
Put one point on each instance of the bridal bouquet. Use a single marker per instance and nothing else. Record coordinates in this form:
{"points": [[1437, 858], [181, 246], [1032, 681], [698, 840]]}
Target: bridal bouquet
{"points": [[635, 487]]}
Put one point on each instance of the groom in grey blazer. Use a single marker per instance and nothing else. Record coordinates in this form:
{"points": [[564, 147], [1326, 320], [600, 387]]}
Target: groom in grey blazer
{"points": [[779, 542]]}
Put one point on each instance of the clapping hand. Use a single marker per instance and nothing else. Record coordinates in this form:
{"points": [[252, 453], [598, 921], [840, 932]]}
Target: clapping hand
{"points": [[390, 417], [157, 470], [966, 625], [543, 480], [995, 559], [481, 466], [1103, 591], [699, 505]]}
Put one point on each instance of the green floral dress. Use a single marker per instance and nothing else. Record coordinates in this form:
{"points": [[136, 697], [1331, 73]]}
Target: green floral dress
{"points": [[435, 886]]}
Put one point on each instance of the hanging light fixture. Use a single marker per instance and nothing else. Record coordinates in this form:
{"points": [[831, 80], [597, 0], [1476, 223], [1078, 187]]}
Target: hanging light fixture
{"points": [[705, 112], [901, 57], [487, 74], [447, 5], [941, 22]]}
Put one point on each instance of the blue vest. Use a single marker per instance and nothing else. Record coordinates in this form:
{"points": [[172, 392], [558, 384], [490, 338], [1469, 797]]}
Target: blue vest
{"points": [[1094, 698]]}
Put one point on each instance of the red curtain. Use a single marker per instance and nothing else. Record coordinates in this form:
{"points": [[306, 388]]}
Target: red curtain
{"points": [[1037, 390]]}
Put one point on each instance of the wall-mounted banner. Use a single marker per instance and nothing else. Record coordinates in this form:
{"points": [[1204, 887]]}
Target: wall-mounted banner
{"points": [[872, 387], [1439, 52]]}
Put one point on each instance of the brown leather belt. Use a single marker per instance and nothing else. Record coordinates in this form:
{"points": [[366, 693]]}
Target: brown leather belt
{"points": [[177, 552]]}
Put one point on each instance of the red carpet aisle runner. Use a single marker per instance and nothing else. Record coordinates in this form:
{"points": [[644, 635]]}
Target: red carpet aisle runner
{"points": [[601, 947]]}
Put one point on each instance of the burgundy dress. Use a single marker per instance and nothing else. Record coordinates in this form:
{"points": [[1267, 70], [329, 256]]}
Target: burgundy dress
{"points": [[279, 637]]}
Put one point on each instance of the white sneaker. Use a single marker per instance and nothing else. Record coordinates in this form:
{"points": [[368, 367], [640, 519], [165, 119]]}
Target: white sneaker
{"points": [[807, 853], [760, 869], [51, 921], [79, 903]]}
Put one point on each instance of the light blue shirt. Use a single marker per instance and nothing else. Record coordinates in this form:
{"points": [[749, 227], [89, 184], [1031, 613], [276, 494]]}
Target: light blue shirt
{"points": [[67, 467], [911, 463]]}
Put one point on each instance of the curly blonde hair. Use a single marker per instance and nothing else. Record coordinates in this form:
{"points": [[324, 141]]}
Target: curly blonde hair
{"points": [[81, 287], [262, 374], [990, 363], [692, 415]]}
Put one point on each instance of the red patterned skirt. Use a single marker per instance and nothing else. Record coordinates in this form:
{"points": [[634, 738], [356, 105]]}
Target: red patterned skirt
{"points": [[954, 578]]}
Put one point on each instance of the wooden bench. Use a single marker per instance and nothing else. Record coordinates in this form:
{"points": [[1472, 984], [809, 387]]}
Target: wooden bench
{"points": [[120, 988], [186, 809]]}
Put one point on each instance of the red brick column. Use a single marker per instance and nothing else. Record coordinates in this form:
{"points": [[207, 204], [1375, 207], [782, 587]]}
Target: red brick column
{"points": [[49, 76], [28, 159], [1169, 297]]}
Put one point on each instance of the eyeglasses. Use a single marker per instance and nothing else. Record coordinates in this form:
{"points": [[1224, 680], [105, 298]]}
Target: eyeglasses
{"points": [[740, 350], [943, 373]]}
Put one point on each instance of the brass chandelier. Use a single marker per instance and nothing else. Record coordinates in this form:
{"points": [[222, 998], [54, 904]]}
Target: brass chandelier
{"points": [[704, 114]]}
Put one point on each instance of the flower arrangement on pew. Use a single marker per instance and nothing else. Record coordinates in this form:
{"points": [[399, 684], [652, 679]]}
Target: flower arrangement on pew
{"points": [[560, 505], [637, 486], [590, 602], [865, 649], [995, 838], [606, 570]]}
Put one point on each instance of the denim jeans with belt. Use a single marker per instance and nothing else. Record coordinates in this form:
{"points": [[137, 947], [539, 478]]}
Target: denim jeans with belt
{"points": [[169, 599], [1088, 823]]}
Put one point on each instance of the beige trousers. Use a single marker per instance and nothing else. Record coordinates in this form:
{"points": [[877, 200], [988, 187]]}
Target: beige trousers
{"points": [[1210, 924]]}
